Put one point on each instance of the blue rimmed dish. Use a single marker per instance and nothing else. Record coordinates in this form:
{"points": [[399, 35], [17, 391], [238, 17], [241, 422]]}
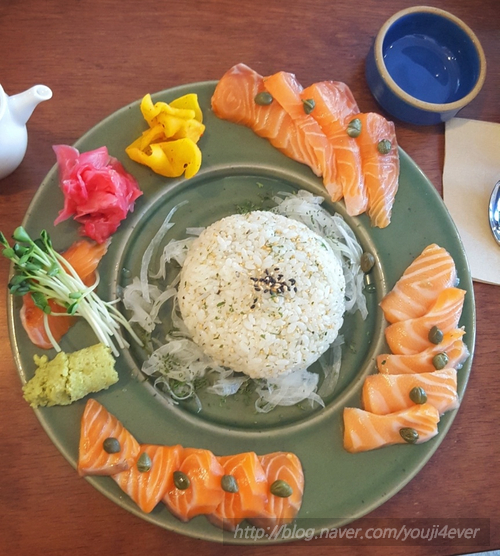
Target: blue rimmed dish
{"points": [[425, 65]]}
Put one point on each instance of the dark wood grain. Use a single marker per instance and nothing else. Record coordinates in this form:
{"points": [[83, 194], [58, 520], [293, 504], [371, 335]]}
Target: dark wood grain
{"points": [[99, 55]]}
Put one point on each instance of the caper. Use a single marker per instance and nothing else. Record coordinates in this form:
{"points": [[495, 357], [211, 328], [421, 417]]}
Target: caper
{"points": [[384, 146], [418, 395], [440, 360], [367, 262], [181, 480], [354, 128], [263, 98], [111, 445], [229, 484], [435, 335], [309, 105], [281, 488], [409, 435], [144, 463]]}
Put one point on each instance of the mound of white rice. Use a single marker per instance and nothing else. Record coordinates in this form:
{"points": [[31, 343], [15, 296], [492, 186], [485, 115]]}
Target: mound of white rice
{"points": [[262, 294]]}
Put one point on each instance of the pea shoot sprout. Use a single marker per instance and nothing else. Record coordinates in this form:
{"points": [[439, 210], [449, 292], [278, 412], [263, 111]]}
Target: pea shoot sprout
{"points": [[46, 275]]}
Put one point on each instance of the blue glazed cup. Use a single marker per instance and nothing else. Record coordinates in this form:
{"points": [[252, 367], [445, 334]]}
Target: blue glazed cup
{"points": [[425, 65]]}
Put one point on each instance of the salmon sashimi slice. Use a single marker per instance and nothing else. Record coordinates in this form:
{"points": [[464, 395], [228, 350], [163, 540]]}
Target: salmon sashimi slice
{"points": [[452, 345], [98, 425], [383, 393], [32, 319], [279, 510], [204, 492], [418, 288], [367, 431], [412, 336], [83, 256], [251, 496], [234, 100], [334, 108], [381, 171], [286, 90], [146, 486]]}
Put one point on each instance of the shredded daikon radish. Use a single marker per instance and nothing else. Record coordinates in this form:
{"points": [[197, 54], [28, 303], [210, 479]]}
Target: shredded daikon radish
{"points": [[305, 207], [287, 390], [227, 385], [146, 258], [174, 250], [178, 364]]}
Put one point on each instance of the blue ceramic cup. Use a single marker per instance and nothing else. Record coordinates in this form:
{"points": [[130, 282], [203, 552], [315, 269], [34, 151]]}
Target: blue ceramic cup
{"points": [[425, 65]]}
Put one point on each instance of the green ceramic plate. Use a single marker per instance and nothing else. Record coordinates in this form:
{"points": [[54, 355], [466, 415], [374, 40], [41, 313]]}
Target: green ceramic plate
{"points": [[241, 170]]}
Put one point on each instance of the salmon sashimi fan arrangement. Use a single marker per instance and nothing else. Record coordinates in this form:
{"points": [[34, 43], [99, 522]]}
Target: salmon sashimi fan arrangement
{"points": [[191, 481], [412, 335], [383, 393], [106, 447], [334, 108], [366, 431], [419, 286], [420, 373], [83, 256], [286, 90], [356, 154], [452, 345]]}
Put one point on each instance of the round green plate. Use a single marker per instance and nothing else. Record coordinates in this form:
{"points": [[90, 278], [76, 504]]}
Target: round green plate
{"points": [[242, 171]]}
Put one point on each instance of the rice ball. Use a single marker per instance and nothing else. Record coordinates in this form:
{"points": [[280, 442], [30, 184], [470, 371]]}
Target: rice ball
{"points": [[262, 294]]}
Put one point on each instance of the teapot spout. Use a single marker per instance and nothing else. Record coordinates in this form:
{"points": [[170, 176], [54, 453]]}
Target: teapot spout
{"points": [[21, 106]]}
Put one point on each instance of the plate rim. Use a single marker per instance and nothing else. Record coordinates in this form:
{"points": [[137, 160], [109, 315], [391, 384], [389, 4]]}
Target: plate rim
{"points": [[181, 529]]}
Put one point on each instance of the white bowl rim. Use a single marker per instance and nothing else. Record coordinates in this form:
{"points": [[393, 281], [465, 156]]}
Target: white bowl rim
{"points": [[401, 93]]}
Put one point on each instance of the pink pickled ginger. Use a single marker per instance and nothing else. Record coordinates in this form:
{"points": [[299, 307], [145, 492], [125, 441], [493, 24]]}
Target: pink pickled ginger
{"points": [[98, 192]]}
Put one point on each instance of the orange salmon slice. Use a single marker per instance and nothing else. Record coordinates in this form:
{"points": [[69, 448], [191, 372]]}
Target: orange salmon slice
{"points": [[250, 499], [204, 492], [334, 108], [419, 286], [411, 336], [97, 425], [452, 345], [383, 393], [286, 90], [83, 256], [367, 431], [147, 487], [234, 100], [381, 171], [281, 466]]}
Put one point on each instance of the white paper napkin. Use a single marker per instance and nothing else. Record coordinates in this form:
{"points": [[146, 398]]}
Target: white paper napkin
{"points": [[471, 169]]}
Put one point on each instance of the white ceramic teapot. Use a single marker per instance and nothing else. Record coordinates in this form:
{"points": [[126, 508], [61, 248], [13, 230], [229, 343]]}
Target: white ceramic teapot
{"points": [[15, 111]]}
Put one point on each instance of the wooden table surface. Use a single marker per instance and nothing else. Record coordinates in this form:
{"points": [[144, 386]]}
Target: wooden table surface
{"points": [[100, 55]]}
